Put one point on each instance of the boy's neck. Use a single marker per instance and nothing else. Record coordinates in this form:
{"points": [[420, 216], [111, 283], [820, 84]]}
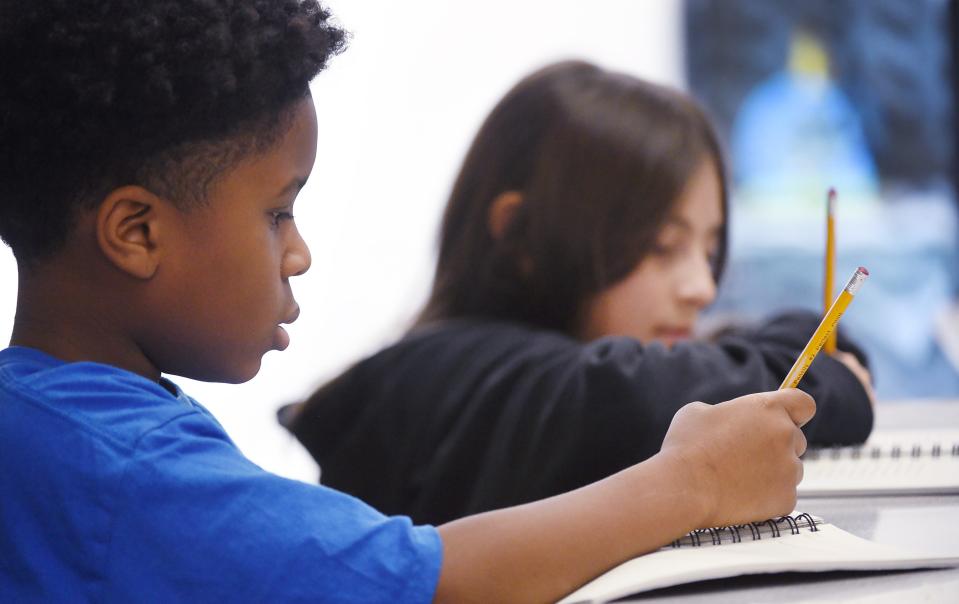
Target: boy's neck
{"points": [[59, 314]]}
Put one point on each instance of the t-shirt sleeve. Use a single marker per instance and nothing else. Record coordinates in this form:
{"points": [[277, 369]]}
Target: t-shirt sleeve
{"points": [[197, 521]]}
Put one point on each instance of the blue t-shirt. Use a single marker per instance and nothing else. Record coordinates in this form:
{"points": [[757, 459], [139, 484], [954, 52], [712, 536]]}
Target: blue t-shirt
{"points": [[114, 488]]}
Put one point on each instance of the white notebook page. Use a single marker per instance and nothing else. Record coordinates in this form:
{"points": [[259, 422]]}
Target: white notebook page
{"points": [[828, 549]]}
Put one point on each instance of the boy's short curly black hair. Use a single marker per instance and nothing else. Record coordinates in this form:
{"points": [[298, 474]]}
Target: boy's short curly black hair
{"points": [[96, 94]]}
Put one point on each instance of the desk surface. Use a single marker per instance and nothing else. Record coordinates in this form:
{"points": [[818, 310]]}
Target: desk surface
{"points": [[929, 523]]}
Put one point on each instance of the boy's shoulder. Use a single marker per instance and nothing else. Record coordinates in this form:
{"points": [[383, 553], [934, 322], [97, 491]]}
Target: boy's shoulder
{"points": [[104, 402], [145, 470]]}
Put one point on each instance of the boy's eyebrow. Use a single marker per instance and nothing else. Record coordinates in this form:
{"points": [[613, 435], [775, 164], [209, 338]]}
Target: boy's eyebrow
{"points": [[293, 186]]}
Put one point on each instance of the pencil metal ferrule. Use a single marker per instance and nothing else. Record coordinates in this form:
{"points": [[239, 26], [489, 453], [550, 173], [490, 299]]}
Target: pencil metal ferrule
{"points": [[855, 282]]}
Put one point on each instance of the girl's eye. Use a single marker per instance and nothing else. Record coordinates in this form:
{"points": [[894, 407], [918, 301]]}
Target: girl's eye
{"points": [[279, 216], [665, 250]]}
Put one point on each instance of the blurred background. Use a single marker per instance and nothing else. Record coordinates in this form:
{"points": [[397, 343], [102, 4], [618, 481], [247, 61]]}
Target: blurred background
{"points": [[852, 94]]}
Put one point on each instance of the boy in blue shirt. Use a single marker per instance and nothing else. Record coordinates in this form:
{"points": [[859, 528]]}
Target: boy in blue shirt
{"points": [[150, 156]]}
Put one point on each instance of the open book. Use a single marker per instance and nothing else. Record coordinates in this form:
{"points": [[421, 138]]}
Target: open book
{"points": [[891, 462], [796, 543]]}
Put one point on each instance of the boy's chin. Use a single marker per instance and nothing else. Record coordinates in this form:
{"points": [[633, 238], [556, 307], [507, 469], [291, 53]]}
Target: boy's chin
{"points": [[235, 374], [244, 374]]}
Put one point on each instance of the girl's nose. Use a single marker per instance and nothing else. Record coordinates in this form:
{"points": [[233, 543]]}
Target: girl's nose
{"points": [[697, 286]]}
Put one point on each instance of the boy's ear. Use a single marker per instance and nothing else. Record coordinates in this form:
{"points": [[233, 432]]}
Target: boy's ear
{"points": [[501, 212], [128, 230]]}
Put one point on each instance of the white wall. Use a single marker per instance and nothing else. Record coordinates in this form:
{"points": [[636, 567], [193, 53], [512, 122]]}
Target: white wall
{"points": [[397, 111]]}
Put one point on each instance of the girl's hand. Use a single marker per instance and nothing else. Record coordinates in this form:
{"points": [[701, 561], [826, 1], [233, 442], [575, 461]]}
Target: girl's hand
{"points": [[852, 363]]}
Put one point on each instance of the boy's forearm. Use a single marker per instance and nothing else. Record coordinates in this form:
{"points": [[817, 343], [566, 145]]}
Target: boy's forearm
{"points": [[541, 551]]}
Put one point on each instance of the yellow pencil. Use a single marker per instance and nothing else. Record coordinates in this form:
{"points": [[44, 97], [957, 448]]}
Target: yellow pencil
{"points": [[827, 326], [828, 286]]}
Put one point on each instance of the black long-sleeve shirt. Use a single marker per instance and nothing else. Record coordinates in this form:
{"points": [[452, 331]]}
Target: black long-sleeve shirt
{"points": [[470, 415]]}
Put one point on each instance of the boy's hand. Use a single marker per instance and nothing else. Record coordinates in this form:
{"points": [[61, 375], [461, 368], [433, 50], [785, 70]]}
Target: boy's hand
{"points": [[742, 456], [729, 463]]}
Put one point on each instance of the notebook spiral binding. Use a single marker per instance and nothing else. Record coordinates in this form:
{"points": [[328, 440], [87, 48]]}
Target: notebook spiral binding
{"points": [[753, 531], [875, 452]]}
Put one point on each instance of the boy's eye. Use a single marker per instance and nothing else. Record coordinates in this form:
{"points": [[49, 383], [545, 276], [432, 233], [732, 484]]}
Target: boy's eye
{"points": [[279, 216]]}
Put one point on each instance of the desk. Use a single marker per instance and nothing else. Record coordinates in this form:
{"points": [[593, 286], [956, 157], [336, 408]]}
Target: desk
{"points": [[929, 523]]}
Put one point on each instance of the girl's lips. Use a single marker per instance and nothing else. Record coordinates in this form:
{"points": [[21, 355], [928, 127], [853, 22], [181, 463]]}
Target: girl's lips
{"points": [[675, 333]]}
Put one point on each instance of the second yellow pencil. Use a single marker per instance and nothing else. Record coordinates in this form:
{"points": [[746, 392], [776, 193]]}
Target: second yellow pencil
{"points": [[826, 327], [830, 261]]}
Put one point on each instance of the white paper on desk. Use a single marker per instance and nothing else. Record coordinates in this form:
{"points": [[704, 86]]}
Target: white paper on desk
{"points": [[828, 549], [932, 529], [855, 471]]}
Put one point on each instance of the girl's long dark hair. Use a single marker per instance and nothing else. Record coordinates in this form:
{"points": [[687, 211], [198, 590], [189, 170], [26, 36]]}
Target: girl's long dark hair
{"points": [[599, 158]]}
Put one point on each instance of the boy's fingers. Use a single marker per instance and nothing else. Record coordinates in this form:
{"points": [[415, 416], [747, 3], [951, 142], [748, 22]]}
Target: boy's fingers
{"points": [[799, 442], [798, 404]]}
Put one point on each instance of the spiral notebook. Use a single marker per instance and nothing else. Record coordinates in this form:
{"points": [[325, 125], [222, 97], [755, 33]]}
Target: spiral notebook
{"points": [[891, 462], [795, 543]]}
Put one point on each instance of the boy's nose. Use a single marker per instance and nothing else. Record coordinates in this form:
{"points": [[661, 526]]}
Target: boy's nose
{"points": [[297, 259]]}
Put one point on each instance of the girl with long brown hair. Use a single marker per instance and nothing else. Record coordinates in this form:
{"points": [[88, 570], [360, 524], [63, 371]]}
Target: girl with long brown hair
{"points": [[586, 231]]}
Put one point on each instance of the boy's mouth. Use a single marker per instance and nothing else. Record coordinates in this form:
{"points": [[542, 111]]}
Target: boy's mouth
{"points": [[281, 339], [293, 316]]}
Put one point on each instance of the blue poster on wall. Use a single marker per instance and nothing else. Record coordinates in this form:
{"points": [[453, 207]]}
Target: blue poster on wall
{"points": [[857, 96]]}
